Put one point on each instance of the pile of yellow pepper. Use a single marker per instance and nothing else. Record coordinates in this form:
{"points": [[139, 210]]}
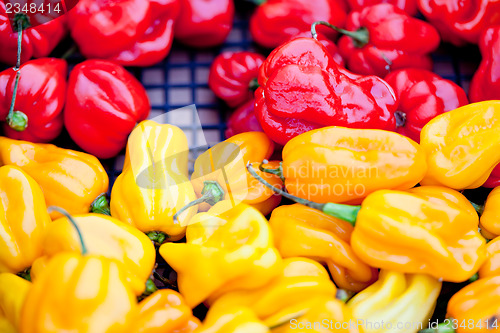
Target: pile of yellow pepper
{"points": [[364, 248]]}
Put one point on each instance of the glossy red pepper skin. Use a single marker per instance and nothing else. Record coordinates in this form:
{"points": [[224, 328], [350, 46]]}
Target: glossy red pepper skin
{"points": [[129, 32], [422, 95], [485, 84], [328, 43], [40, 95], [231, 75], [276, 21], [395, 41], [409, 6], [243, 120], [37, 41], [460, 22], [103, 104], [302, 88], [204, 23]]}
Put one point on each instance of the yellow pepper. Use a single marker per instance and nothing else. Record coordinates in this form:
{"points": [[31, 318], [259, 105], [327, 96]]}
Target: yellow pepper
{"points": [[300, 279], [85, 294], [6, 326], [154, 183], [491, 266], [13, 292], [228, 248], [490, 219], [23, 217], [303, 231], [396, 303], [164, 311], [337, 164], [239, 319], [105, 236], [462, 145], [69, 179]]}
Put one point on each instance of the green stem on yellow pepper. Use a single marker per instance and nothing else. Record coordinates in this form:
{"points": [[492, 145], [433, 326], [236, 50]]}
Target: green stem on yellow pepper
{"points": [[212, 193], [100, 205], [278, 172], [73, 222]]}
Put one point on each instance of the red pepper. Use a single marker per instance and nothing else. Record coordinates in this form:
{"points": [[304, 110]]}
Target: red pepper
{"points": [[37, 41], [383, 37], [243, 120], [129, 32], [328, 43], [276, 21], [302, 88], [103, 105], [422, 96], [461, 21], [233, 76], [204, 23], [40, 96], [409, 6]]}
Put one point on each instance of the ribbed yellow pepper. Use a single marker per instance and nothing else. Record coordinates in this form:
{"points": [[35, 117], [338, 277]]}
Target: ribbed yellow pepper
{"points": [[69, 179], [13, 292], [462, 145], [239, 319], [490, 219], [154, 183], [6, 326], [105, 236], [84, 294], [227, 248], [23, 217], [396, 303], [491, 266]]}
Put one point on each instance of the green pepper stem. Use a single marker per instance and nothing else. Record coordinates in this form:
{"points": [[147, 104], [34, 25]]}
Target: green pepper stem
{"points": [[254, 84], [73, 222], [278, 172], [361, 37], [212, 193], [26, 274], [157, 237], [344, 212], [344, 295], [100, 205], [445, 327], [479, 208]]}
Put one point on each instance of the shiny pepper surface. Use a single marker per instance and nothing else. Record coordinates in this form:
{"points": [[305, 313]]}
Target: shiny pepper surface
{"points": [[41, 94], [13, 292], [23, 218], [69, 179], [394, 40], [107, 237], [274, 22], [409, 6], [243, 120], [458, 21], [300, 279], [85, 294], [462, 146], [425, 230], [236, 319], [303, 231], [477, 306], [302, 88], [491, 266], [397, 298], [154, 182], [228, 249], [165, 311], [490, 219], [422, 95], [337, 164]]}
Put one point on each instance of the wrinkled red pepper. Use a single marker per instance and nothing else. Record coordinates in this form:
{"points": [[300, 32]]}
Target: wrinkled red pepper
{"points": [[409, 6], [233, 76], [422, 95], [40, 96], [243, 120], [37, 41], [276, 21], [383, 38], [129, 32], [328, 43], [103, 105], [302, 88], [460, 22], [204, 23]]}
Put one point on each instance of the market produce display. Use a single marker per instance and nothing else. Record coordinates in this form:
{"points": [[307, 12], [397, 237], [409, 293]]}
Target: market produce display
{"points": [[349, 184]]}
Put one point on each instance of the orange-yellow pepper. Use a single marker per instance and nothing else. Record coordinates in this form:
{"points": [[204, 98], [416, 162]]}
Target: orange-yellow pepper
{"points": [[227, 248], [106, 236], [303, 231], [164, 311], [69, 179], [491, 266], [462, 145], [337, 164], [23, 218], [154, 183], [490, 219], [85, 294], [476, 307], [238, 319], [425, 230], [13, 292]]}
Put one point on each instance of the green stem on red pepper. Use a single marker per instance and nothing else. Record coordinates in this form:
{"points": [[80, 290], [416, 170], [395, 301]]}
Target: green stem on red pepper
{"points": [[73, 222], [361, 37]]}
